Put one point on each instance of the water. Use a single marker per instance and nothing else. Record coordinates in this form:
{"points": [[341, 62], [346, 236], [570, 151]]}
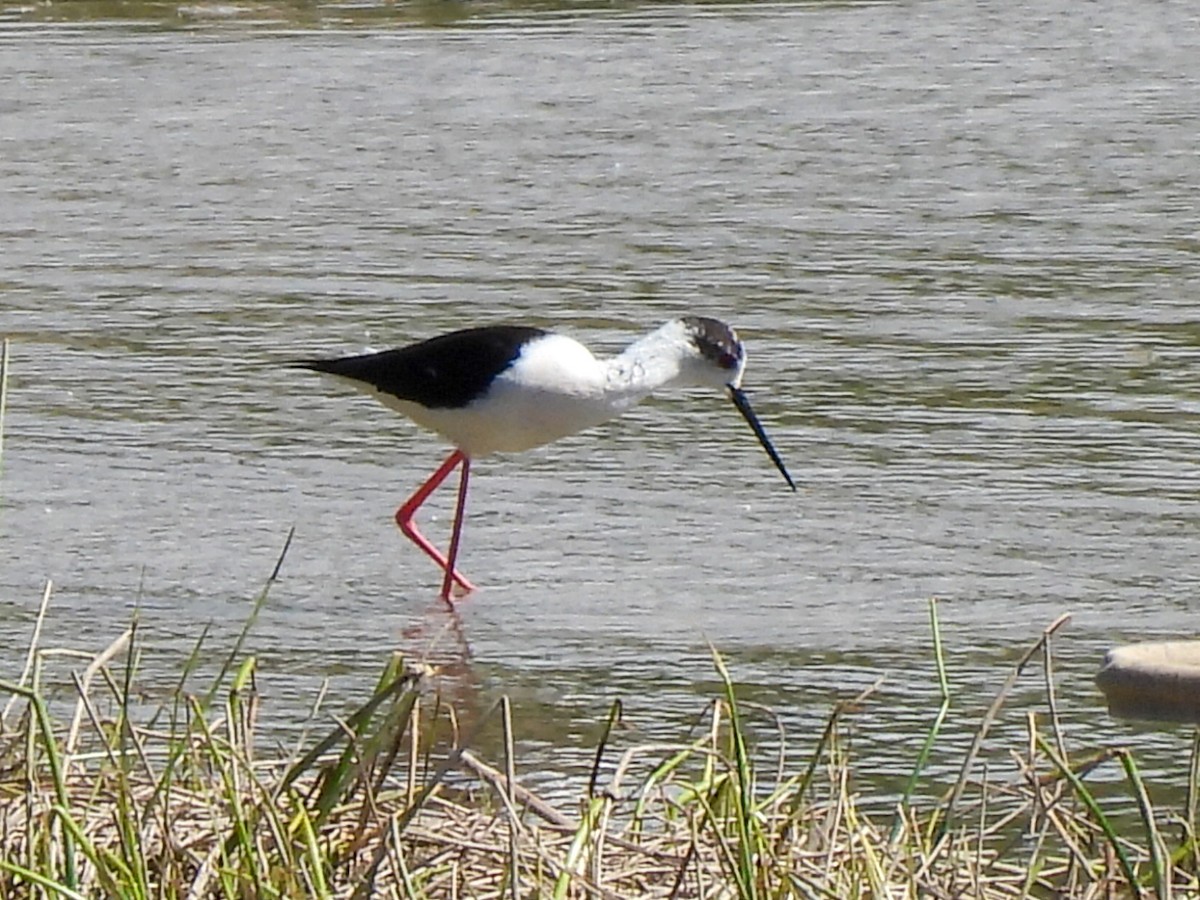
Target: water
{"points": [[961, 241]]}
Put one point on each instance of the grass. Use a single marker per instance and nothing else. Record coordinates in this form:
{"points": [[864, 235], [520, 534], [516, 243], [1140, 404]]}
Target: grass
{"points": [[121, 801]]}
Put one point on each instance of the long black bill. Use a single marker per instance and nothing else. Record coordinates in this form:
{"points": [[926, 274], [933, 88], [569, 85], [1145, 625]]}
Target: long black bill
{"points": [[743, 404]]}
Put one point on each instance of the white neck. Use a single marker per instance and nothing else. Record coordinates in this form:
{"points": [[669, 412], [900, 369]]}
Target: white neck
{"points": [[649, 363]]}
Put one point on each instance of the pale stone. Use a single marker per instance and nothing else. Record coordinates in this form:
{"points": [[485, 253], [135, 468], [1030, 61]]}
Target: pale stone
{"points": [[1153, 681]]}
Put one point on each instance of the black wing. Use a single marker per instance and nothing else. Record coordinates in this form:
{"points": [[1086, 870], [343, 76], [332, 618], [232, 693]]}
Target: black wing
{"points": [[445, 372]]}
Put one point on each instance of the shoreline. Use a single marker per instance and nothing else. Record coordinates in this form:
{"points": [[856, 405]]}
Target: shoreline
{"points": [[392, 800]]}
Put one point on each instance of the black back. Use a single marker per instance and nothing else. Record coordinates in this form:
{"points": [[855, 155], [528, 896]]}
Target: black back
{"points": [[445, 372]]}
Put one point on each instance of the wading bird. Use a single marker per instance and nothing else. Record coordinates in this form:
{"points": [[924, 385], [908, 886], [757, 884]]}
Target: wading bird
{"points": [[506, 388]]}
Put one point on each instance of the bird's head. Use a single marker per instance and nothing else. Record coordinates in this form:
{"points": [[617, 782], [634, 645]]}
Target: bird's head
{"points": [[714, 356]]}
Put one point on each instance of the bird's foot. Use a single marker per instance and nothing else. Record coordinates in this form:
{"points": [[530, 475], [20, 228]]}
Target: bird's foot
{"points": [[455, 578]]}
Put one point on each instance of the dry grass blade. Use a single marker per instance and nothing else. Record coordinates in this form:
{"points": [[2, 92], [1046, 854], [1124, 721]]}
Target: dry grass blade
{"points": [[990, 716], [31, 654]]}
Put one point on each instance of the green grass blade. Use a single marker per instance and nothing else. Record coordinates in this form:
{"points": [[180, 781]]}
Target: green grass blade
{"points": [[744, 796], [614, 718], [934, 729], [102, 862], [1159, 857], [1085, 796], [259, 603], [44, 882], [46, 730]]}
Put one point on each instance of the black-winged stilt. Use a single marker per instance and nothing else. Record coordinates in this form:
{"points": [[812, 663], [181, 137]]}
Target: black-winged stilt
{"points": [[505, 388]]}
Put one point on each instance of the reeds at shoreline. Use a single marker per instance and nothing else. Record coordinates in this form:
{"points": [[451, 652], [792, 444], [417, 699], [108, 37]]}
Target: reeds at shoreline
{"points": [[393, 802]]}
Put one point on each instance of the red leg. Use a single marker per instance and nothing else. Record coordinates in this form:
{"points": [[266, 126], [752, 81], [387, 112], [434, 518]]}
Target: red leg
{"points": [[459, 508], [404, 518]]}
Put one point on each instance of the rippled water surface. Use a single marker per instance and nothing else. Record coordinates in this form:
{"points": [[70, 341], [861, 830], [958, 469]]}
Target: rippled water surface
{"points": [[960, 240]]}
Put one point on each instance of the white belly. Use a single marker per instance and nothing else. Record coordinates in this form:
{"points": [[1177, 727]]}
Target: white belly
{"points": [[502, 424], [555, 388]]}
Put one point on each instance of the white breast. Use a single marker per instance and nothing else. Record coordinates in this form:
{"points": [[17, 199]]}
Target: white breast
{"points": [[553, 389]]}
